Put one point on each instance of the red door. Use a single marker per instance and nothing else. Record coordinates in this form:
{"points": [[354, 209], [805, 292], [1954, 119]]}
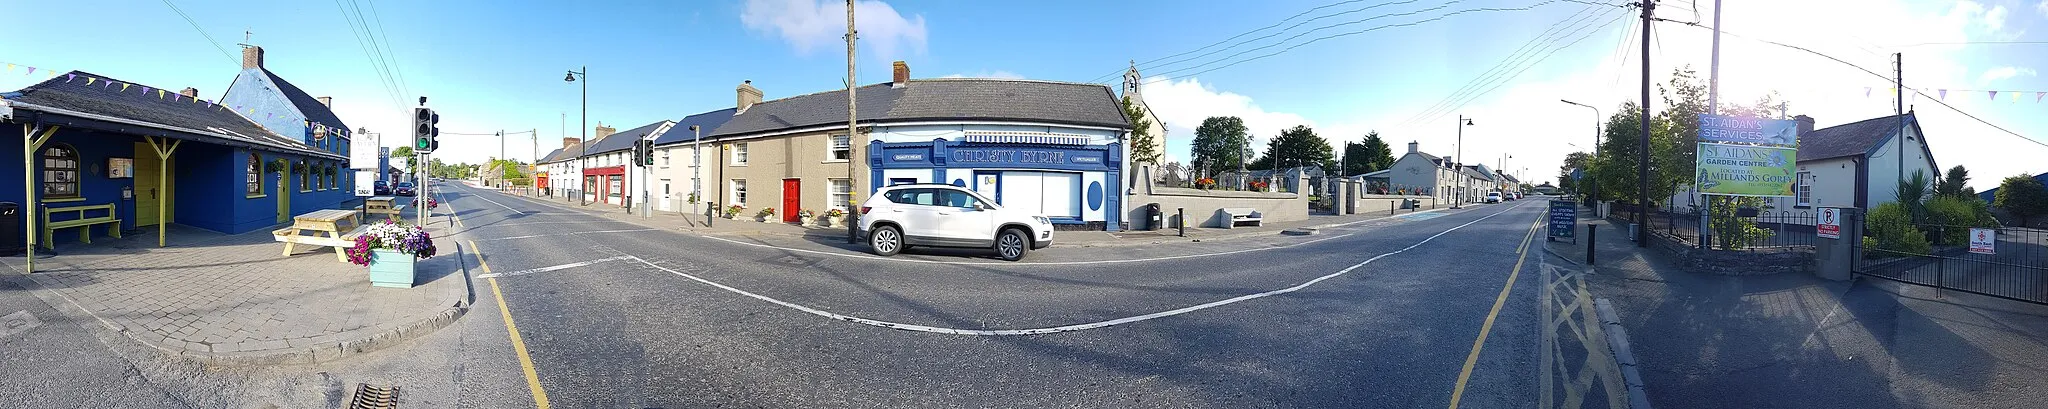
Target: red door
{"points": [[792, 199]]}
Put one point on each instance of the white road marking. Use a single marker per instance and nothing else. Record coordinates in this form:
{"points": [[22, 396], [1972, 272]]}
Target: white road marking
{"points": [[531, 223], [1064, 328], [553, 268], [496, 203], [564, 234], [1006, 263]]}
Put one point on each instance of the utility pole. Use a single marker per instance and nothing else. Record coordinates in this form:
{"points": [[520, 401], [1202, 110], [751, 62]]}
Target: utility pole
{"points": [[501, 159], [1643, 141], [1713, 108], [1899, 107], [852, 215]]}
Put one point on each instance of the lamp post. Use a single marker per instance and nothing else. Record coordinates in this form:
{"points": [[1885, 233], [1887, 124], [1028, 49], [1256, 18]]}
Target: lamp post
{"points": [[1592, 185], [697, 166], [1458, 195], [582, 145]]}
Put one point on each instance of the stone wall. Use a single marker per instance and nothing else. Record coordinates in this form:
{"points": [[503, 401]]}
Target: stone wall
{"points": [[1761, 261], [1379, 204]]}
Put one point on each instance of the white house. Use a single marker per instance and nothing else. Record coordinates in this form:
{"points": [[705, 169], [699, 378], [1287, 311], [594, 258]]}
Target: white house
{"points": [[1857, 164], [1435, 176]]}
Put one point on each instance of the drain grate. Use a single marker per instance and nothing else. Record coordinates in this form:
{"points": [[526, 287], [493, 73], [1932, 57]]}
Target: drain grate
{"points": [[372, 397]]}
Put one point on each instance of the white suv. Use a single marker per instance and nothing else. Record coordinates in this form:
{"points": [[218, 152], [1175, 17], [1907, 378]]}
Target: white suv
{"points": [[940, 215]]}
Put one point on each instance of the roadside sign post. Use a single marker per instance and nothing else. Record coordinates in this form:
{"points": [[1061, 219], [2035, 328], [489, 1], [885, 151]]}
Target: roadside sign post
{"points": [[1564, 219], [1830, 223], [1983, 241]]}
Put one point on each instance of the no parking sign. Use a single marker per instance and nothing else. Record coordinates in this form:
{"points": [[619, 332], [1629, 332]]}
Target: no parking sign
{"points": [[1830, 225]]}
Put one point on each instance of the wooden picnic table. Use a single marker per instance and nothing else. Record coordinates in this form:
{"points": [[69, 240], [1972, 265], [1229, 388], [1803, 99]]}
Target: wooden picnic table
{"points": [[385, 205], [339, 226]]}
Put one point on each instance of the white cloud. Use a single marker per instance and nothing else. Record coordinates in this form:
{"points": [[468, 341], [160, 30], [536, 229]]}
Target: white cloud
{"points": [[1183, 104], [2000, 73], [2043, 8], [1995, 19], [811, 24], [989, 74]]}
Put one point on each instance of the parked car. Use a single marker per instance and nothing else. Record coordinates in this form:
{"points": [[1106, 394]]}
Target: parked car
{"points": [[941, 215], [1493, 197], [383, 188], [403, 189]]}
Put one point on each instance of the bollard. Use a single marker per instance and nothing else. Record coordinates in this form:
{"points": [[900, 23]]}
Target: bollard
{"points": [[1589, 245], [852, 219], [713, 207], [1180, 214]]}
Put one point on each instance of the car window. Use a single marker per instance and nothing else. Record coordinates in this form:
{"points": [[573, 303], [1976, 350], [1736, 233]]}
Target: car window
{"points": [[911, 197], [955, 198]]}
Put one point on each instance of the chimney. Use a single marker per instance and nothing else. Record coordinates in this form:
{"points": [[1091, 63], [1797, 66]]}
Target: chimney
{"points": [[190, 92], [326, 101], [1414, 147], [902, 78], [252, 57], [748, 95], [604, 131], [567, 142], [1805, 124]]}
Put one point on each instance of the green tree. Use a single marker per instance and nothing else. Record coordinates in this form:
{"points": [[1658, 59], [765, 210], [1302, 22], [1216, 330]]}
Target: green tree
{"points": [[1677, 126], [2023, 197], [1581, 161], [1371, 155], [405, 152], [1296, 147], [1142, 139], [1219, 144], [1912, 193], [1955, 184]]}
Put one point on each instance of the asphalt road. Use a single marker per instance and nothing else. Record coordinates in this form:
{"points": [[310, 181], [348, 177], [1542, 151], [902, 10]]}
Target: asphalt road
{"points": [[1376, 314]]}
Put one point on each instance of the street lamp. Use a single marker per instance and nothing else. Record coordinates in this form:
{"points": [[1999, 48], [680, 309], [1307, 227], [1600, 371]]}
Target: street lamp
{"points": [[1592, 187], [697, 166], [1458, 195], [582, 145]]}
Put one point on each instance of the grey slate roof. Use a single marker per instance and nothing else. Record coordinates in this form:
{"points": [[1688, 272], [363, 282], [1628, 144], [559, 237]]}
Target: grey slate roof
{"points": [[623, 140], [707, 123], [549, 157], [939, 99], [1851, 139], [68, 92], [311, 107]]}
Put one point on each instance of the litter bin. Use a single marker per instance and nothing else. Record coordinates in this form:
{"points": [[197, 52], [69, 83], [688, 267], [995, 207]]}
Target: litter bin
{"points": [[1154, 218], [10, 229]]}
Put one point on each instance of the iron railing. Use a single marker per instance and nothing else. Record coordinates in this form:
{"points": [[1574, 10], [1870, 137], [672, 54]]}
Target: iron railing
{"points": [[1768, 230], [2016, 267]]}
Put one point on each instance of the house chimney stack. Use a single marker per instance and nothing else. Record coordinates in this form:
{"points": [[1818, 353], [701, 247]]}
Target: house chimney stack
{"points": [[1805, 124], [190, 92], [902, 78], [568, 142], [252, 57], [1414, 147], [748, 95], [326, 101], [603, 131]]}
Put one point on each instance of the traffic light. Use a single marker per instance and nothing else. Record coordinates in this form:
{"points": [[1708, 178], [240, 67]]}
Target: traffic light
{"points": [[426, 134], [643, 151]]}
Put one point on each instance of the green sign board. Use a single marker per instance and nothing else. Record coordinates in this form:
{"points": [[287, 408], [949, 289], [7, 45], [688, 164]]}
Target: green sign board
{"points": [[1746, 170]]}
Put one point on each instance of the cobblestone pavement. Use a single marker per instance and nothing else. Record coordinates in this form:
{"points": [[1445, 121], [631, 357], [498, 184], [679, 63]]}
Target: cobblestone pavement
{"points": [[233, 299]]}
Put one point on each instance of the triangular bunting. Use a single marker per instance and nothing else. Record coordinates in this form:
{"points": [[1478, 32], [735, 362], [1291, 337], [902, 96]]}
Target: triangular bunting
{"points": [[159, 94], [69, 77], [124, 86], [1994, 95], [1944, 94], [31, 70], [146, 89], [89, 80], [2038, 95]]}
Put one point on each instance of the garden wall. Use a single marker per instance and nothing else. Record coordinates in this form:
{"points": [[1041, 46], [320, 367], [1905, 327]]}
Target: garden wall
{"points": [[1201, 205]]}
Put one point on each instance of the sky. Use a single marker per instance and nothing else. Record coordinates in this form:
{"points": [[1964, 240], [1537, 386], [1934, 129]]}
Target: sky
{"points": [[1342, 67]]}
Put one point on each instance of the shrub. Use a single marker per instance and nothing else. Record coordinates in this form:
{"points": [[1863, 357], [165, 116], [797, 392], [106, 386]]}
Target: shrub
{"points": [[1956, 214], [1892, 233], [2023, 196], [1730, 232]]}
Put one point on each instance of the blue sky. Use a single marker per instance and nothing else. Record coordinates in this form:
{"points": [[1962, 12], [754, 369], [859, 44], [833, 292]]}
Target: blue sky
{"points": [[490, 65]]}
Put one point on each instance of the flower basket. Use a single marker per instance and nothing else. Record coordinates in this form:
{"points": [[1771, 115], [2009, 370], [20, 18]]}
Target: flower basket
{"points": [[1205, 183], [391, 249], [805, 216], [832, 217], [733, 211], [767, 214]]}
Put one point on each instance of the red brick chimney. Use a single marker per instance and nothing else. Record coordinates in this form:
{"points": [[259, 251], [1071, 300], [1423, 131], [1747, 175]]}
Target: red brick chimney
{"points": [[252, 57], [902, 78]]}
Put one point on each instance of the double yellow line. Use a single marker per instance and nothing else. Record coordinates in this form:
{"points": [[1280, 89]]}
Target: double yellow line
{"points": [[1471, 359]]}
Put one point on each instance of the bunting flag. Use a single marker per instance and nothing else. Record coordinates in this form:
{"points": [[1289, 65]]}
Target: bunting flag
{"points": [[1866, 92], [32, 70], [124, 86], [2038, 95], [89, 80], [1994, 95], [159, 94], [1944, 94], [69, 77], [2015, 97], [145, 90]]}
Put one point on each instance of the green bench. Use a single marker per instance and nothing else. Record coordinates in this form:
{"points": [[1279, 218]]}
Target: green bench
{"points": [[82, 222]]}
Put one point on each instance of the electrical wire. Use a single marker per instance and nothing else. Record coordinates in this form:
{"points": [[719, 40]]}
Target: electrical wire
{"points": [[390, 88], [202, 33], [1275, 24], [1549, 35], [379, 17]]}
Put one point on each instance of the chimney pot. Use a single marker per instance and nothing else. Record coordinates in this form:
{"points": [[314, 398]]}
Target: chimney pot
{"points": [[902, 76], [567, 142], [252, 57], [603, 131], [326, 101], [189, 92]]}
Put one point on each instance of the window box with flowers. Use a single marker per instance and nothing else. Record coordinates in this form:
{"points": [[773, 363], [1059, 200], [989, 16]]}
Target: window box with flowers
{"points": [[392, 250]]}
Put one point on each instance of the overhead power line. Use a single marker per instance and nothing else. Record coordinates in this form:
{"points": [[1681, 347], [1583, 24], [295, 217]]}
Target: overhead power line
{"points": [[202, 32], [1888, 79], [1528, 49], [376, 65], [1275, 24]]}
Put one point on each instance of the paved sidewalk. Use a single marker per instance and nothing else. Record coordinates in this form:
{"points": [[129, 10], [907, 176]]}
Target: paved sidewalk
{"points": [[233, 299], [1794, 340], [696, 223]]}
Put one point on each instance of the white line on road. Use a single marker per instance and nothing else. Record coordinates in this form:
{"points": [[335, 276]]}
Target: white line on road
{"points": [[1065, 328], [564, 234], [553, 268], [495, 202], [1006, 263]]}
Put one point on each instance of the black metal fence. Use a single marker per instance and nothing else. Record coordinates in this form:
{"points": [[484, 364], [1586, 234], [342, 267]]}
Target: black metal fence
{"points": [[1767, 230], [2015, 266]]}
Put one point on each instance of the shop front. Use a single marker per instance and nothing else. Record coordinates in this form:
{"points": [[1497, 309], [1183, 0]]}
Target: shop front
{"points": [[606, 185], [1068, 180]]}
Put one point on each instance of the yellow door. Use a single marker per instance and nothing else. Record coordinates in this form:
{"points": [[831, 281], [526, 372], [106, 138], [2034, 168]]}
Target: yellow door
{"points": [[284, 195], [148, 195]]}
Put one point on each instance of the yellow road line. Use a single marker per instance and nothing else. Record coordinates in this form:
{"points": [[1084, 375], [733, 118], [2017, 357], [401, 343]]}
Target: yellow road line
{"points": [[1521, 255], [540, 396]]}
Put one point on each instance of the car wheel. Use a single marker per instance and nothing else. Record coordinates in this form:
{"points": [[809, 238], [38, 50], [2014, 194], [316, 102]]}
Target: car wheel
{"points": [[1011, 244], [886, 241]]}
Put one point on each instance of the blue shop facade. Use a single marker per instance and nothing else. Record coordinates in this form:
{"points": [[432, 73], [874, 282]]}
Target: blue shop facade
{"points": [[1070, 174]]}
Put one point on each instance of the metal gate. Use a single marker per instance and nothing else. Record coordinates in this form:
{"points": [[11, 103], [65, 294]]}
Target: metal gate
{"points": [[2009, 262]]}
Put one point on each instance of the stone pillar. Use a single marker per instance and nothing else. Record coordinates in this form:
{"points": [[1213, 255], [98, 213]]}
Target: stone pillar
{"points": [[1835, 259]]}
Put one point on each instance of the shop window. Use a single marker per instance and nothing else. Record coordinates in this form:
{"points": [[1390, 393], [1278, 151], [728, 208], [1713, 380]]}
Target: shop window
{"points": [[255, 175], [739, 154], [841, 148], [739, 192], [333, 177], [303, 171], [60, 171], [837, 193]]}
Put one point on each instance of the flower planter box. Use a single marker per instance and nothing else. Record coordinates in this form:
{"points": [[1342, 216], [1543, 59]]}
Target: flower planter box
{"points": [[391, 268]]}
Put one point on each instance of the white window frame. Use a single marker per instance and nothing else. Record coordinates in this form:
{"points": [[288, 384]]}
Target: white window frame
{"points": [[737, 189], [664, 158], [739, 154], [1802, 195], [835, 199], [832, 148]]}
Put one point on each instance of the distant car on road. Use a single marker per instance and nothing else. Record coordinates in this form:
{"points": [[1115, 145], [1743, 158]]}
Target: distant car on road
{"points": [[382, 188], [1493, 197], [941, 215], [404, 189]]}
